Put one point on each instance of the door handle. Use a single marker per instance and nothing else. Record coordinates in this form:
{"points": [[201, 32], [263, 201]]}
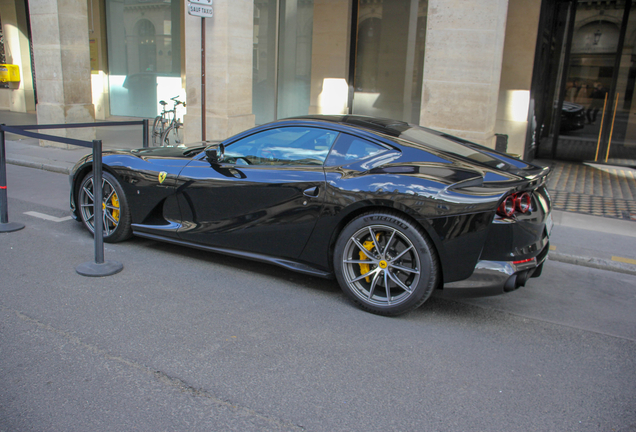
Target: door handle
{"points": [[311, 192]]}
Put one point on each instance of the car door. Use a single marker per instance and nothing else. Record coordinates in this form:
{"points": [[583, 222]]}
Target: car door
{"points": [[264, 196]]}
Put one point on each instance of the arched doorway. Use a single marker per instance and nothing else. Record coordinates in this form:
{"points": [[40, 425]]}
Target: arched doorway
{"points": [[146, 46]]}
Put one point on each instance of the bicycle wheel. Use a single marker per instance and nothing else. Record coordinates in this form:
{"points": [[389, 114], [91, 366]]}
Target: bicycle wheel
{"points": [[173, 136], [157, 131]]}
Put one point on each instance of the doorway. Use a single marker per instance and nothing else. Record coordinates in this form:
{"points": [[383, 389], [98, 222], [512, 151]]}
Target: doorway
{"points": [[587, 59]]}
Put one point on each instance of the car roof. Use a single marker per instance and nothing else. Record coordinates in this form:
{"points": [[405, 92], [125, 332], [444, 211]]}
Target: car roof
{"points": [[396, 128], [373, 124]]}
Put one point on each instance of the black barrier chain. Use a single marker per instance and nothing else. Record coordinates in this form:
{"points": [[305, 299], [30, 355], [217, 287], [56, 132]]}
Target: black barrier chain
{"points": [[81, 125], [21, 130], [46, 137], [99, 267]]}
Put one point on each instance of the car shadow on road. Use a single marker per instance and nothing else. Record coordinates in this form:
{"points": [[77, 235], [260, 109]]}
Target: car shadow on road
{"points": [[241, 264], [435, 307]]}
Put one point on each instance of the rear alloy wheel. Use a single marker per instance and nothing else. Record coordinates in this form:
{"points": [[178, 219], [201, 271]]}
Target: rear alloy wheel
{"points": [[385, 264], [116, 216]]}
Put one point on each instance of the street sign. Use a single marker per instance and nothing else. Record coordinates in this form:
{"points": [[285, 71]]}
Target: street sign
{"points": [[203, 2], [200, 11]]}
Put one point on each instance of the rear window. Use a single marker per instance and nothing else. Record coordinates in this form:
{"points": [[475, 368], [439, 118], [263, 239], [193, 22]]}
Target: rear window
{"points": [[350, 149], [455, 145]]}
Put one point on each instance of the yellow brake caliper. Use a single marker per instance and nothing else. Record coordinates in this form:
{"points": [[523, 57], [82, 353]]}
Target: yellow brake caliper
{"points": [[115, 202], [365, 268]]}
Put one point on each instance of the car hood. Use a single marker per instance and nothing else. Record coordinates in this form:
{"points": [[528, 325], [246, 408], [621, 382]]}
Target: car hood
{"points": [[150, 154], [165, 152]]}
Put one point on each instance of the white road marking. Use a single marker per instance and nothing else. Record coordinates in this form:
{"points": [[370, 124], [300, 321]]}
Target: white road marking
{"points": [[48, 217]]}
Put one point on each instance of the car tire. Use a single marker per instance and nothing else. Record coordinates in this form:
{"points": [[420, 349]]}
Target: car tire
{"points": [[117, 220], [390, 250]]}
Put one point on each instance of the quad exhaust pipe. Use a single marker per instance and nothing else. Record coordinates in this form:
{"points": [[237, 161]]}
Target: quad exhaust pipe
{"points": [[518, 280]]}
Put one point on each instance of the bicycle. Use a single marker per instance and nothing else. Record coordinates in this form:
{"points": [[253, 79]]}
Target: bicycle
{"points": [[166, 129]]}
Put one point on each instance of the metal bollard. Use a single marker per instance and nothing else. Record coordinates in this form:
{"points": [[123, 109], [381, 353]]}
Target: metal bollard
{"points": [[501, 143], [5, 225], [146, 130], [99, 267]]}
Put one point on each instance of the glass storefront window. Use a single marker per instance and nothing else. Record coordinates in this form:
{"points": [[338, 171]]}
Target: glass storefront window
{"points": [[294, 53], [264, 61], [144, 55], [388, 52], [390, 58], [281, 73]]}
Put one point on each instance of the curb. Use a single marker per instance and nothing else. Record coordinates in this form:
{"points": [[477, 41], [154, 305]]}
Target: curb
{"points": [[597, 263], [38, 165]]}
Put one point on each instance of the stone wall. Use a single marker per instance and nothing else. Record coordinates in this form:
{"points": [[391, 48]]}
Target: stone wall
{"points": [[462, 67], [59, 30]]}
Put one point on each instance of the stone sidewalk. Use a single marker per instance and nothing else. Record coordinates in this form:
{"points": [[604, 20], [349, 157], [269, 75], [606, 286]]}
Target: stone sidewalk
{"points": [[591, 188]]}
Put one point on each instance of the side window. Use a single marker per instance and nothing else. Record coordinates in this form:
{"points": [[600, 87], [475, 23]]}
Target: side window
{"points": [[349, 149], [282, 146]]}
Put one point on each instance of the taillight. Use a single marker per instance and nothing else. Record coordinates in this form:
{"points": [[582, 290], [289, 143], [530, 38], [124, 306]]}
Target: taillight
{"points": [[523, 202], [507, 207], [518, 202]]}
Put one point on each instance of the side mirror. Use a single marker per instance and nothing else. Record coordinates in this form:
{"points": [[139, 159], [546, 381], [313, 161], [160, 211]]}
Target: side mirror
{"points": [[215, 155]]}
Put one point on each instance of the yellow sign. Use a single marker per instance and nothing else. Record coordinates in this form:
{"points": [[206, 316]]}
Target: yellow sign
{"points": [[9, 73], [162, 176]]}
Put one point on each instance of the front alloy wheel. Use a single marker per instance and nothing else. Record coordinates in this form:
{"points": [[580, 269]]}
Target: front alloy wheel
{"points": [[116, 218], [385, 264]]}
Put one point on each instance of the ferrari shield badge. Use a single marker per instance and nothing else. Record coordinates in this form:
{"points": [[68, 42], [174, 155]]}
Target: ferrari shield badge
{"points": [[162, 176]]}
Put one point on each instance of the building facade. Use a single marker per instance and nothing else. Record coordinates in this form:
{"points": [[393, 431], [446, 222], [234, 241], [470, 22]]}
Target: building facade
{"points": [[528, 70]]}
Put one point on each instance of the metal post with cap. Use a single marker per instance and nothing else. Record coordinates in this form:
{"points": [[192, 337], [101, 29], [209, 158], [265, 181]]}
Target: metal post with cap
{"points": [[5, 225], [203, 9], [99, 267]]}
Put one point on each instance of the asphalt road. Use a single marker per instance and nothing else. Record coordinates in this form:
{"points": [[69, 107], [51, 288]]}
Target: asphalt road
{"points": [[187, 340]]}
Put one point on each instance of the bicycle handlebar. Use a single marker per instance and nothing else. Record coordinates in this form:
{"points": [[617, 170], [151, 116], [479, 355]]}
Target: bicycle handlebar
{"points": [[177, 102]]}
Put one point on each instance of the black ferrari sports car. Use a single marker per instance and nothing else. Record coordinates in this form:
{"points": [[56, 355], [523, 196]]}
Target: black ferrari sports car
{"points": [[393, 210]]}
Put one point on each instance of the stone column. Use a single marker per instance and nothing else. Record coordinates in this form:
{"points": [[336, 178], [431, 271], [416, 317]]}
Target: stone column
{"points": [[59, 33], [516, 72], [462, 67], [228, 46]]}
